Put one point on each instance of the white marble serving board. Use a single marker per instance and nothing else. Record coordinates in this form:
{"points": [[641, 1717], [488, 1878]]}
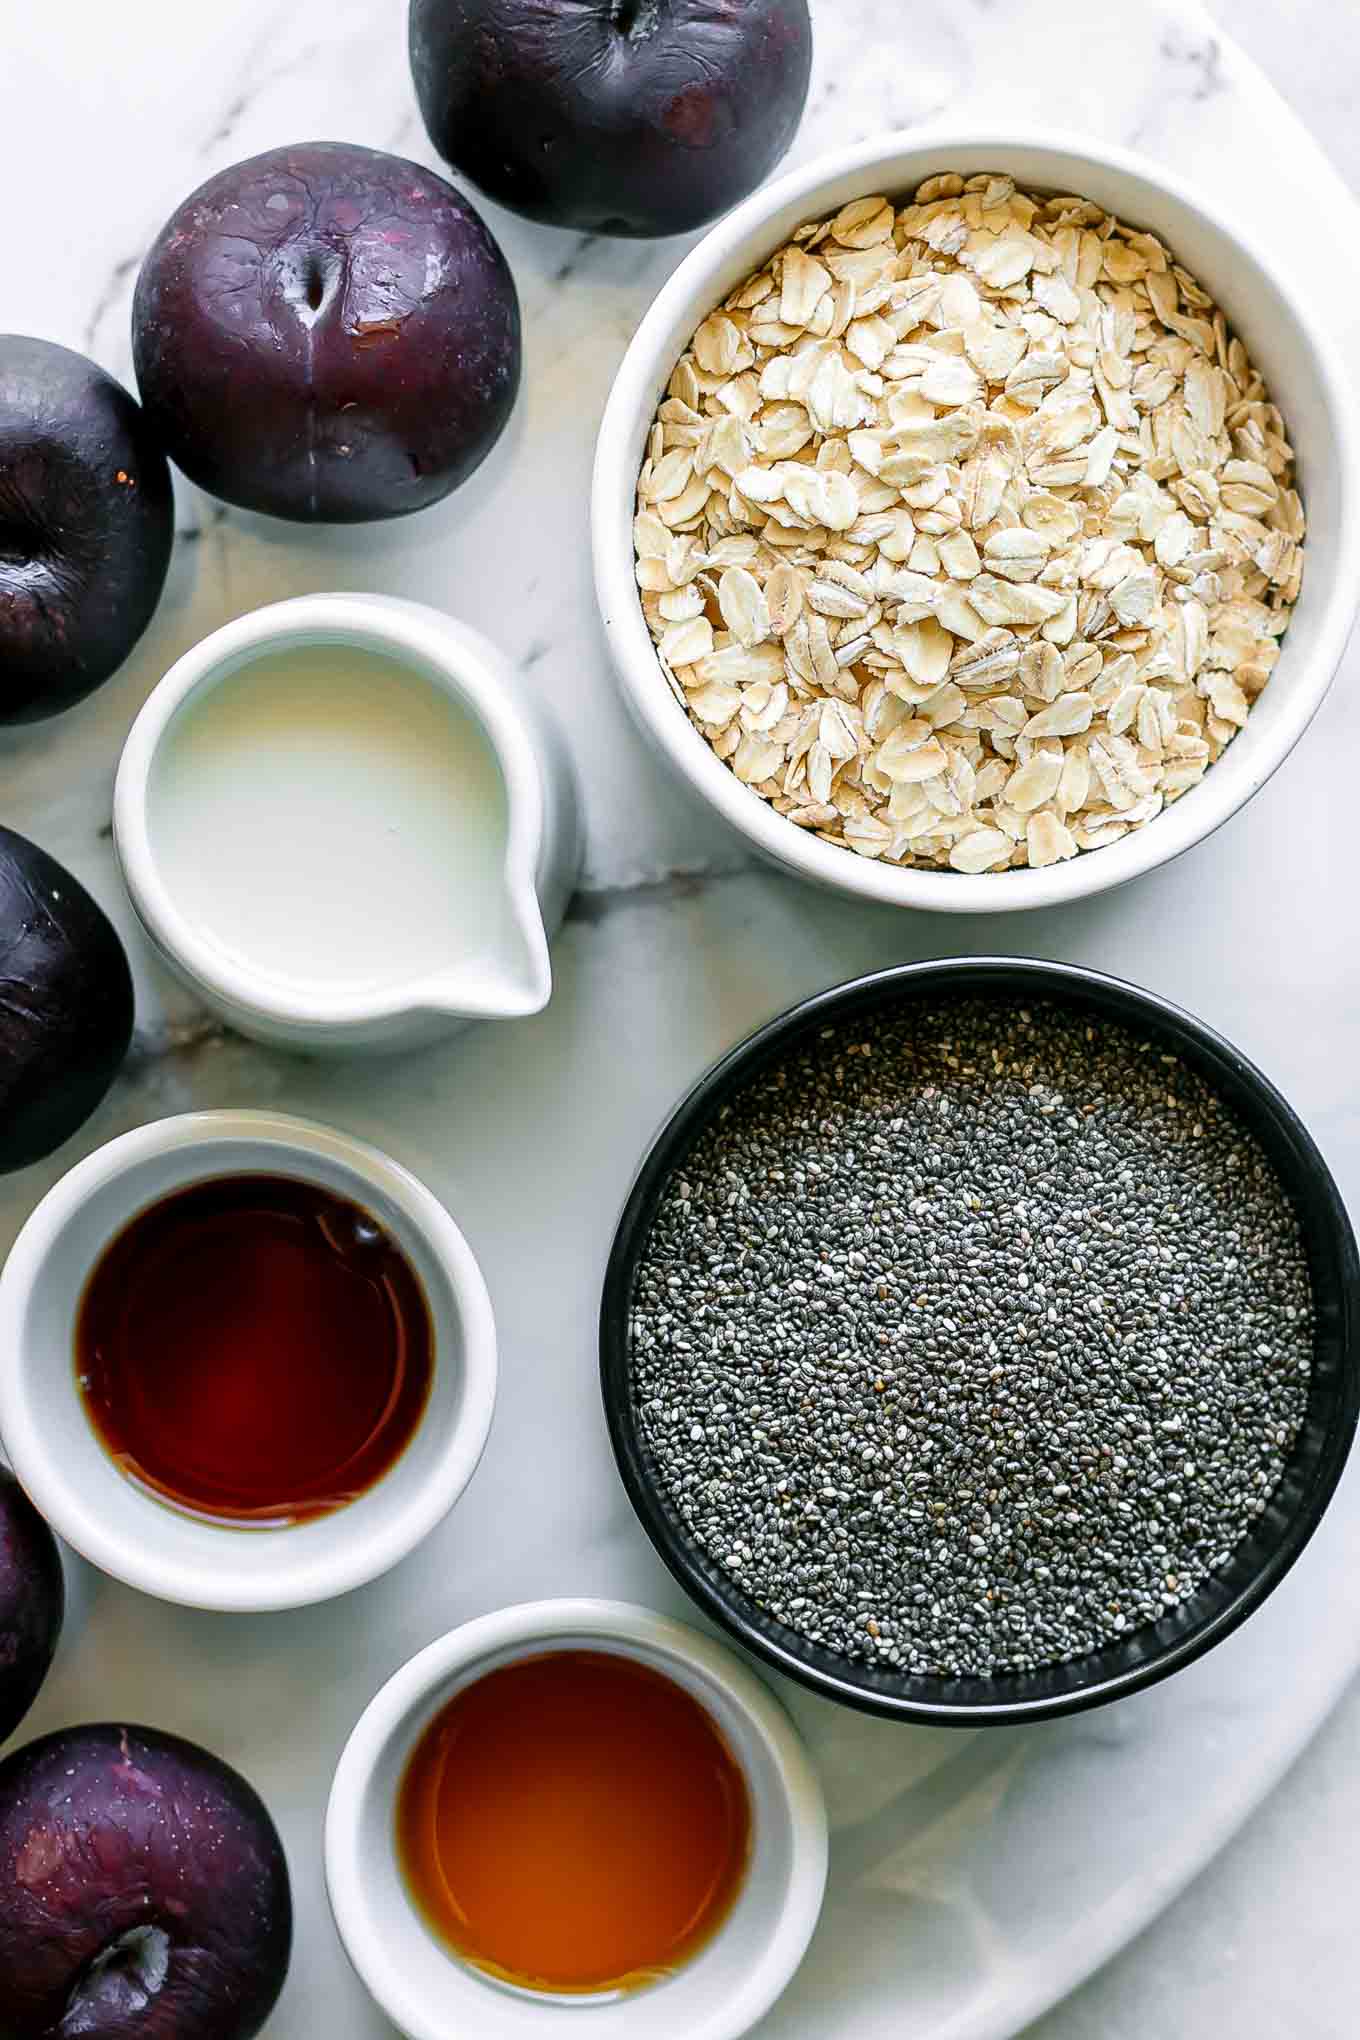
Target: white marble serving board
{"points": [[976, 1878]]}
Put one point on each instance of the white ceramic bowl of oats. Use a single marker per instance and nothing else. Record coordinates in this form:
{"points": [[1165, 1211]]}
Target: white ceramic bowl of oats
{"points": [[995, 543]]}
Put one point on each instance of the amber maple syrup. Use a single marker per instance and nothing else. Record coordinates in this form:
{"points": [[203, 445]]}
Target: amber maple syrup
{"points": [[574, 1824], [255, 1349]]}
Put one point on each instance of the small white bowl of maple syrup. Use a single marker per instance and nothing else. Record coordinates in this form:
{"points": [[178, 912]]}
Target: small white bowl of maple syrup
{"points": [[577, 1810]]}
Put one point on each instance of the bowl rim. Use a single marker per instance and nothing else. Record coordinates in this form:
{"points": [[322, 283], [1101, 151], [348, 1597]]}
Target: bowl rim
{"points": [[885, 160], [239, 1585], [462, 664], [1135, 1006], [522, 1628]]}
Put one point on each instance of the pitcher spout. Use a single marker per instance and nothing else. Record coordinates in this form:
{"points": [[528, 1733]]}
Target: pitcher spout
{"points": [[509, 980]]}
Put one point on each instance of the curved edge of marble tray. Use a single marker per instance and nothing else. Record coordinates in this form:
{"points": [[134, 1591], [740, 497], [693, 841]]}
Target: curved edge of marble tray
{"points": [[974, 1882], [1130, 1912]]}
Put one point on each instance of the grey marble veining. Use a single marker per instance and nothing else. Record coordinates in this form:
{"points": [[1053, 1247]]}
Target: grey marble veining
{"points": [[675, 946]]}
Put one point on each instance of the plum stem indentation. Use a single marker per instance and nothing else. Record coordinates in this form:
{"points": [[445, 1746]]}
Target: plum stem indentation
{"points": [[315, 284], [310, 277], [633, 18], [16, 545], [120, 1982]]}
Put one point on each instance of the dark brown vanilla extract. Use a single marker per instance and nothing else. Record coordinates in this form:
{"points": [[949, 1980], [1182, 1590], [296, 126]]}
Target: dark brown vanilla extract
{"points": [[255, 1349]]}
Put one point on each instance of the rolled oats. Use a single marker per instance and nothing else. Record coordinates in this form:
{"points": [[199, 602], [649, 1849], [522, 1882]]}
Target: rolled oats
{"points": [[967, 531]]}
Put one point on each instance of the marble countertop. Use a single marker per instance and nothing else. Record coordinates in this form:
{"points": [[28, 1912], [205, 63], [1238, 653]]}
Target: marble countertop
{"points": [[675, 946]]}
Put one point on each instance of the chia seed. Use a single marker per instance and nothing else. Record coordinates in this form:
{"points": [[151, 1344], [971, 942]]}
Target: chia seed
{"points": [[972, 1338]]}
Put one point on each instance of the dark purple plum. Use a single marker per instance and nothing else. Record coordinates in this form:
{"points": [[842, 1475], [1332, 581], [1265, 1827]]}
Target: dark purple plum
{"points": [[634, 117], [32, 1602], [86, 527], [66, 1003], [144, 1893], [327, 333]]}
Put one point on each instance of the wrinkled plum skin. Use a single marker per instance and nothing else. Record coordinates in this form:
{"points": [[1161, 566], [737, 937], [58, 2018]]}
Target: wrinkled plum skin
{"points": [[86, 527], [106, 1830], [631, 117], [328, 334], [66, 1003], [32, 1603]]}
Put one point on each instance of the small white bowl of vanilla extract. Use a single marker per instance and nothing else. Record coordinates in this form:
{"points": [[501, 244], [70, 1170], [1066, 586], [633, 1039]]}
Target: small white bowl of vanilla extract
{"points": [[575, 1811], [250, 1360]]}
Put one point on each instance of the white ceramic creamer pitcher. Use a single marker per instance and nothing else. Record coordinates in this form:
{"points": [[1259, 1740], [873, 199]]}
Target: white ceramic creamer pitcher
{"points": [[344, 821]]}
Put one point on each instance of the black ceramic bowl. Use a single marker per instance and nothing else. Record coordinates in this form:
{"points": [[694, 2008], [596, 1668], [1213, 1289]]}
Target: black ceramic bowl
{"points": [[1258, 1565]]}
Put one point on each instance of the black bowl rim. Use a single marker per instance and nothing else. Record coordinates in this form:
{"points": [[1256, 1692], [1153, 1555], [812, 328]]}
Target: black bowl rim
{"points": [[1135, 1005]]}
